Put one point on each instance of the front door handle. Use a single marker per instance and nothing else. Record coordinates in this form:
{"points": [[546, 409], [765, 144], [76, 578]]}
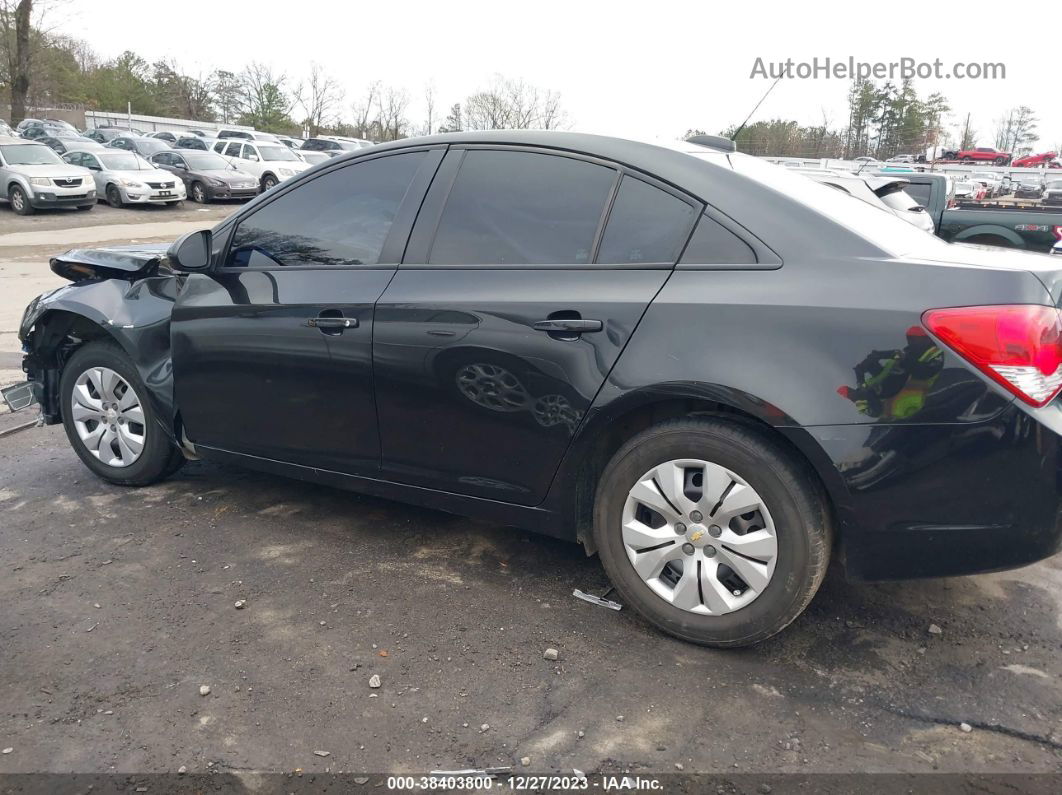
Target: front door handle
{"points": [[569, 325], [332, 324]]}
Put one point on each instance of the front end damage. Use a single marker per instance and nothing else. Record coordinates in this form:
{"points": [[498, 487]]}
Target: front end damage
{"points": [[124, 294]]}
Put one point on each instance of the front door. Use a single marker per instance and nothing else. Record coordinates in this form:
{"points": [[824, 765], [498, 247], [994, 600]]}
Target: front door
{"points": [[511, 307], [272, 350]]}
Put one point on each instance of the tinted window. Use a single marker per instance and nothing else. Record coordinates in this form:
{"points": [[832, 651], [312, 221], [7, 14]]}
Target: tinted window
{"points": [[646, 225], [713, 244], [340, 218], [920, 192], [521, 208], [232, 150]]}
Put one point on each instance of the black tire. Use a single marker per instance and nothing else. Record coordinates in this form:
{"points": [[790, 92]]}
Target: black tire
{"points": [[197, 193], [174, 204], [159, 458], [789, 490], [84, 207], [268, 181], [114, 196], [967, 160], [20, 202]]}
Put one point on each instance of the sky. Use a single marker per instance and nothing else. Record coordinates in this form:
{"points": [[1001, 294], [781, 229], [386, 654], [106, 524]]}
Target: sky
{"points": [[637, 69]]}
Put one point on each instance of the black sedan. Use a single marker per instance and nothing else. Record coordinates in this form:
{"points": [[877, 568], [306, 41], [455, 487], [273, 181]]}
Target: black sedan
{"points": [[62, 142], [714, 373], [207, 176]]}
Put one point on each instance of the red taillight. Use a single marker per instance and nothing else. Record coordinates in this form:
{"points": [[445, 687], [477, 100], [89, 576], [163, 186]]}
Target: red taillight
{"points": [[1058, 232], [1018, 347]]}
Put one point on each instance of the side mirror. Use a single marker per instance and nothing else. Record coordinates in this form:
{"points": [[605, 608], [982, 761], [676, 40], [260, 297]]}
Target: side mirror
{"points": [[191, 252]]}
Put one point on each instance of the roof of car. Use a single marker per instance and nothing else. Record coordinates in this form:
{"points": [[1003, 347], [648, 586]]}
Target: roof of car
{"points": [[9, 139]]}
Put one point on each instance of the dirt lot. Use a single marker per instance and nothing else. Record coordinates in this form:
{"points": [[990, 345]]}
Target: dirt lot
{"points": [[118, 605]]}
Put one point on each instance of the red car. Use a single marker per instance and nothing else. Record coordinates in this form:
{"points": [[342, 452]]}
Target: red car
{"points": [[985, 153], [1030, 161]]}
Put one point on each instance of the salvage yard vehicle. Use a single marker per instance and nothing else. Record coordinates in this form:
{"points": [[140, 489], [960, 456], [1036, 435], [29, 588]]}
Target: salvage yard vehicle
{"points": [[984, 154], [711, 371], [335, 145], [1029, 228], [207, 176], [270, 163], [1053, 192], [143, 146], [127, 178], [33, 177]]}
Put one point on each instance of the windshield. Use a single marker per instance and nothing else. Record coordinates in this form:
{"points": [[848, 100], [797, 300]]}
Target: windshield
{"points": [[874, 224], [278, 152], [127, 161], [206, 162], [29, 155]]}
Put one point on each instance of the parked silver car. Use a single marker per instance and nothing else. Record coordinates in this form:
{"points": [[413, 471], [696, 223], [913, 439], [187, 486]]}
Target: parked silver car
{"points": [[127, 178], [34, 177]]}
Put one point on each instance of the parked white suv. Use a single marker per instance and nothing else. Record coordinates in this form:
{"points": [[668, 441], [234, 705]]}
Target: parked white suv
{"points": [[32, 176], [270, 163]]}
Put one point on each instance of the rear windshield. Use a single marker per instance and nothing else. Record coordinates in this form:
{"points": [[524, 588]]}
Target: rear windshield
{"points": [[874, 224]]}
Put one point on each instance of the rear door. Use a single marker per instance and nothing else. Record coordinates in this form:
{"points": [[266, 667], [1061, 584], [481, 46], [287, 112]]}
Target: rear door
{"points": [[510, 308], [272, 350]]}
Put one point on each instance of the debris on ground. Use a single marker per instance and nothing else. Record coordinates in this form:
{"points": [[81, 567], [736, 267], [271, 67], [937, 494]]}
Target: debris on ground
{"points": [[551, 654], [322, 753], [525, 761], [374, 681], [7, 751], [597, 600], [182, 770], [204, 690], [966, 727], [935, 630], [485, 727], [240, 603]]}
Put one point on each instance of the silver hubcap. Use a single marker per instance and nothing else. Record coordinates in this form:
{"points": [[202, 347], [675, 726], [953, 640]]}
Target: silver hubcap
{"points": [[699, 536], [16, 200], [108, 416]]}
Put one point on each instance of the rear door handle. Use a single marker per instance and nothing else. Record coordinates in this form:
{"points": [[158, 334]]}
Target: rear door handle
{"points": [[569, 326]]}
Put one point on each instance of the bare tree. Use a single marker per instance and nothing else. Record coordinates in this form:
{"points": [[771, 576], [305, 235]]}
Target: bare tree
{"points": [[322, 96], [268, 100], [968, 136], [513, 105], [363, 110], [429, 104], [392, 104], [15, 29]]}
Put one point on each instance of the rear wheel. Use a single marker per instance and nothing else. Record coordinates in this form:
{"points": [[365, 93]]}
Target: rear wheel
{"points": [[711, 531], [111, 425], [19, 201]]}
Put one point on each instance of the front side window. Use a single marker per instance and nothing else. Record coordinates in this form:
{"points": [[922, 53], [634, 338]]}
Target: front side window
{"points": [[338, 219], [521, 208], [646, 225]]}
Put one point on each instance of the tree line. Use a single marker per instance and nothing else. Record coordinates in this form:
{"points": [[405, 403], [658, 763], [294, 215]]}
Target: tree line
{"points": [[41, 68], [884, 120]]}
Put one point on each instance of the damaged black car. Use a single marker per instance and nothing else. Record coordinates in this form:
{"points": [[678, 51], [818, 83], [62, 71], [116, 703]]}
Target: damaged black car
{"points": [[715, 374]]}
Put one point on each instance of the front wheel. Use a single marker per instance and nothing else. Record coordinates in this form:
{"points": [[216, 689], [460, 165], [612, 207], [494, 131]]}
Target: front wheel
{"points": [[712, 531], [268, 181], [198, 193], [111, 425], [19, 201], [114, 196]]}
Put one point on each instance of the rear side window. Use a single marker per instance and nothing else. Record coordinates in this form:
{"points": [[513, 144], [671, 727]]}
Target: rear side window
{"points": [[646, 225], [338, 219], [714, 244], [521, 208]]}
